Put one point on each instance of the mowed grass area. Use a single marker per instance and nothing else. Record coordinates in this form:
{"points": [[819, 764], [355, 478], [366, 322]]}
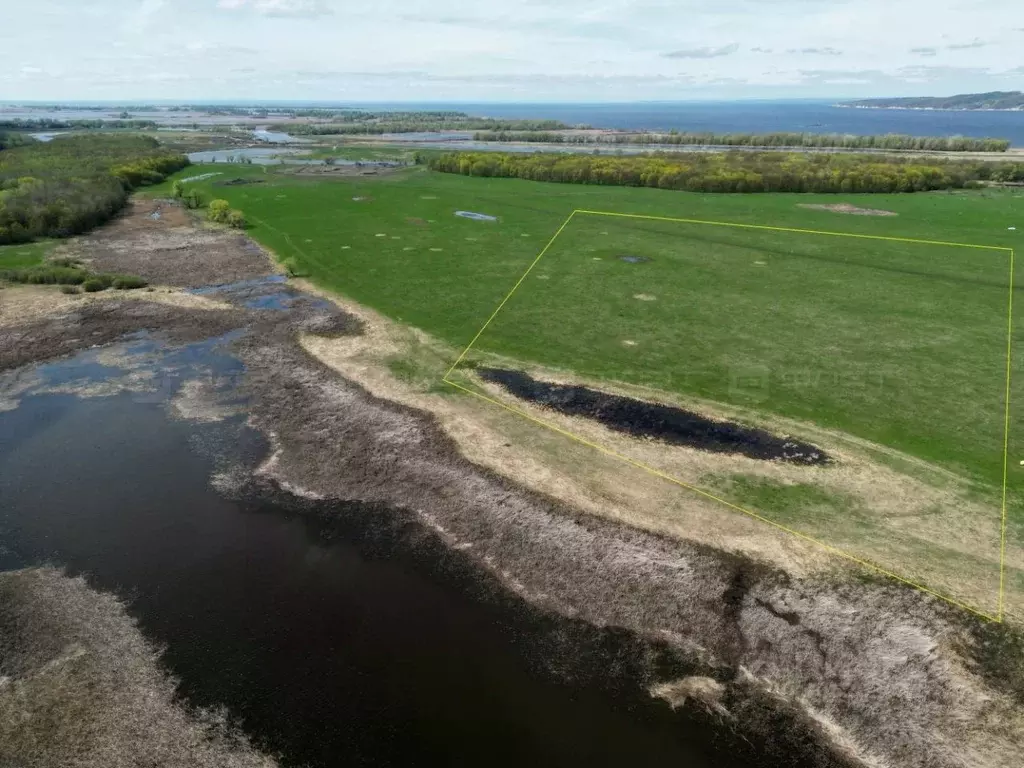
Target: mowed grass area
{"points": [[902, 344], [24, 254]]}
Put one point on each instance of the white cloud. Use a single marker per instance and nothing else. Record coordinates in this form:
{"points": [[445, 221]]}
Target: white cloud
{"points": [[529, 49], [296, 8], [703, 53]]}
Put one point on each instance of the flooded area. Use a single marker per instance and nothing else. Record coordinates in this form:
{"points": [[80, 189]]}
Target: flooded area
{"points": [[279, 156], [276, 137], [255, 155]]}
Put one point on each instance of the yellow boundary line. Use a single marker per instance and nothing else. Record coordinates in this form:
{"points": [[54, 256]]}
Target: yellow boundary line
{"points": [[657, 473]]}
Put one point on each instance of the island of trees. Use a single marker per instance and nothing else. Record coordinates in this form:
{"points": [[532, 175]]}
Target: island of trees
{"points": [[1002, 100], [67, 186], [342, 122], [733, 171], [891, 141]]}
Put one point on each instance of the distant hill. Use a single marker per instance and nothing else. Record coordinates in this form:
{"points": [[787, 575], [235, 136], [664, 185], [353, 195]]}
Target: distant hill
{"points": [[1004, 100]]}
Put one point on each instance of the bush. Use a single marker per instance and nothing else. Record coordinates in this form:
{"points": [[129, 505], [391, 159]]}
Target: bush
{"points": [[192, 199], [69, 289], [178, 189], [93, 284], [236, 219], [218, 211], [128, 282], [45, 275]]}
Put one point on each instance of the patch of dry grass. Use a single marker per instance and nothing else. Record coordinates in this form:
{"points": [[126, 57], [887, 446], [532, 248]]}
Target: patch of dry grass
{"points": [[80, 686]]}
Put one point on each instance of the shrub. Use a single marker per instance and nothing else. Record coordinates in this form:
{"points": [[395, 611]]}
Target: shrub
{"points": [[128, 282], [236, 219], [192, 199], [218, 211], [69, 289], [45, 275], [92, 285], [178, 189]]}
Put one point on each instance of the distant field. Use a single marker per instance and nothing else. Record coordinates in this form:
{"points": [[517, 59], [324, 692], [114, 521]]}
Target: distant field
{"points": [[899, 344]]}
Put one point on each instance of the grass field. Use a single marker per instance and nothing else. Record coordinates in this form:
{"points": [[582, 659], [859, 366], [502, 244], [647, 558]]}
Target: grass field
{"points": [[24, 254], [899, 344]]}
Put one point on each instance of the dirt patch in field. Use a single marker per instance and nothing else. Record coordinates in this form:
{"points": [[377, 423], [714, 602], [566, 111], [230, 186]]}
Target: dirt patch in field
{"points": [[416, 221], [674, 426], [853, 210], [631, 259], [644, 297]]}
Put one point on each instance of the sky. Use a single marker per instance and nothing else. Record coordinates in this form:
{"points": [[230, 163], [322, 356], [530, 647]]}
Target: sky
{"points": [[517, 50]]}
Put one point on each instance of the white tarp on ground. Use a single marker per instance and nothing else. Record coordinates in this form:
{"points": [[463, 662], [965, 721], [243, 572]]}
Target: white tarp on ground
{"points": [[476, 216]]}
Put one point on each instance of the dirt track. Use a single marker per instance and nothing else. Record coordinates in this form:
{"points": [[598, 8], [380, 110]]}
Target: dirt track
{"points": [[869, 669]]}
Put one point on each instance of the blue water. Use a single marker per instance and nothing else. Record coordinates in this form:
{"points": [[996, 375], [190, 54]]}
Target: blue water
{"points": [[751, 117]]}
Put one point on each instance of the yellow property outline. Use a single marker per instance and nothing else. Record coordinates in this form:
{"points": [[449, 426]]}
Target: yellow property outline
{"points": [[834, 550]]}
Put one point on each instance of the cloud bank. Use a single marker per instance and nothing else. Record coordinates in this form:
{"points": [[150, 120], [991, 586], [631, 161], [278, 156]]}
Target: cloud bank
{"points": [[470, 50]]}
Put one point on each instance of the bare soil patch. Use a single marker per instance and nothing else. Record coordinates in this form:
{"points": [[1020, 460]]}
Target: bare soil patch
{"points": [[848, 208], [170, 250]]}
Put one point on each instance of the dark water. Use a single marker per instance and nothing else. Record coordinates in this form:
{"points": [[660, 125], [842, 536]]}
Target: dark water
{"points": [[754, 117], [338, 634]]}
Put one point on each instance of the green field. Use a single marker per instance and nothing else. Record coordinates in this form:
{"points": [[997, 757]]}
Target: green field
{"points": [[24, 254], [900, 344]]}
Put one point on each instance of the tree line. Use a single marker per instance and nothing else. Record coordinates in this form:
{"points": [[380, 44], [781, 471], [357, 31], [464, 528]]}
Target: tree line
{"points": [[732, 171], [51, 124], [67, 186], [889, 141]]}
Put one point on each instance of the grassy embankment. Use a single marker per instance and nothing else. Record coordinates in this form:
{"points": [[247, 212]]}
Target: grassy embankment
{"points": [[900, 344]]}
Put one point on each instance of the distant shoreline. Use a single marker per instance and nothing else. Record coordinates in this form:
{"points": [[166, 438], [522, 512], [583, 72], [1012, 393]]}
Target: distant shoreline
{"points": [[929, 109]]}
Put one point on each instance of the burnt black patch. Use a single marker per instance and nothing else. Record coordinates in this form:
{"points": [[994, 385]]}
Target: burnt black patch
{"points": [[237, 182], [675, 426]]}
